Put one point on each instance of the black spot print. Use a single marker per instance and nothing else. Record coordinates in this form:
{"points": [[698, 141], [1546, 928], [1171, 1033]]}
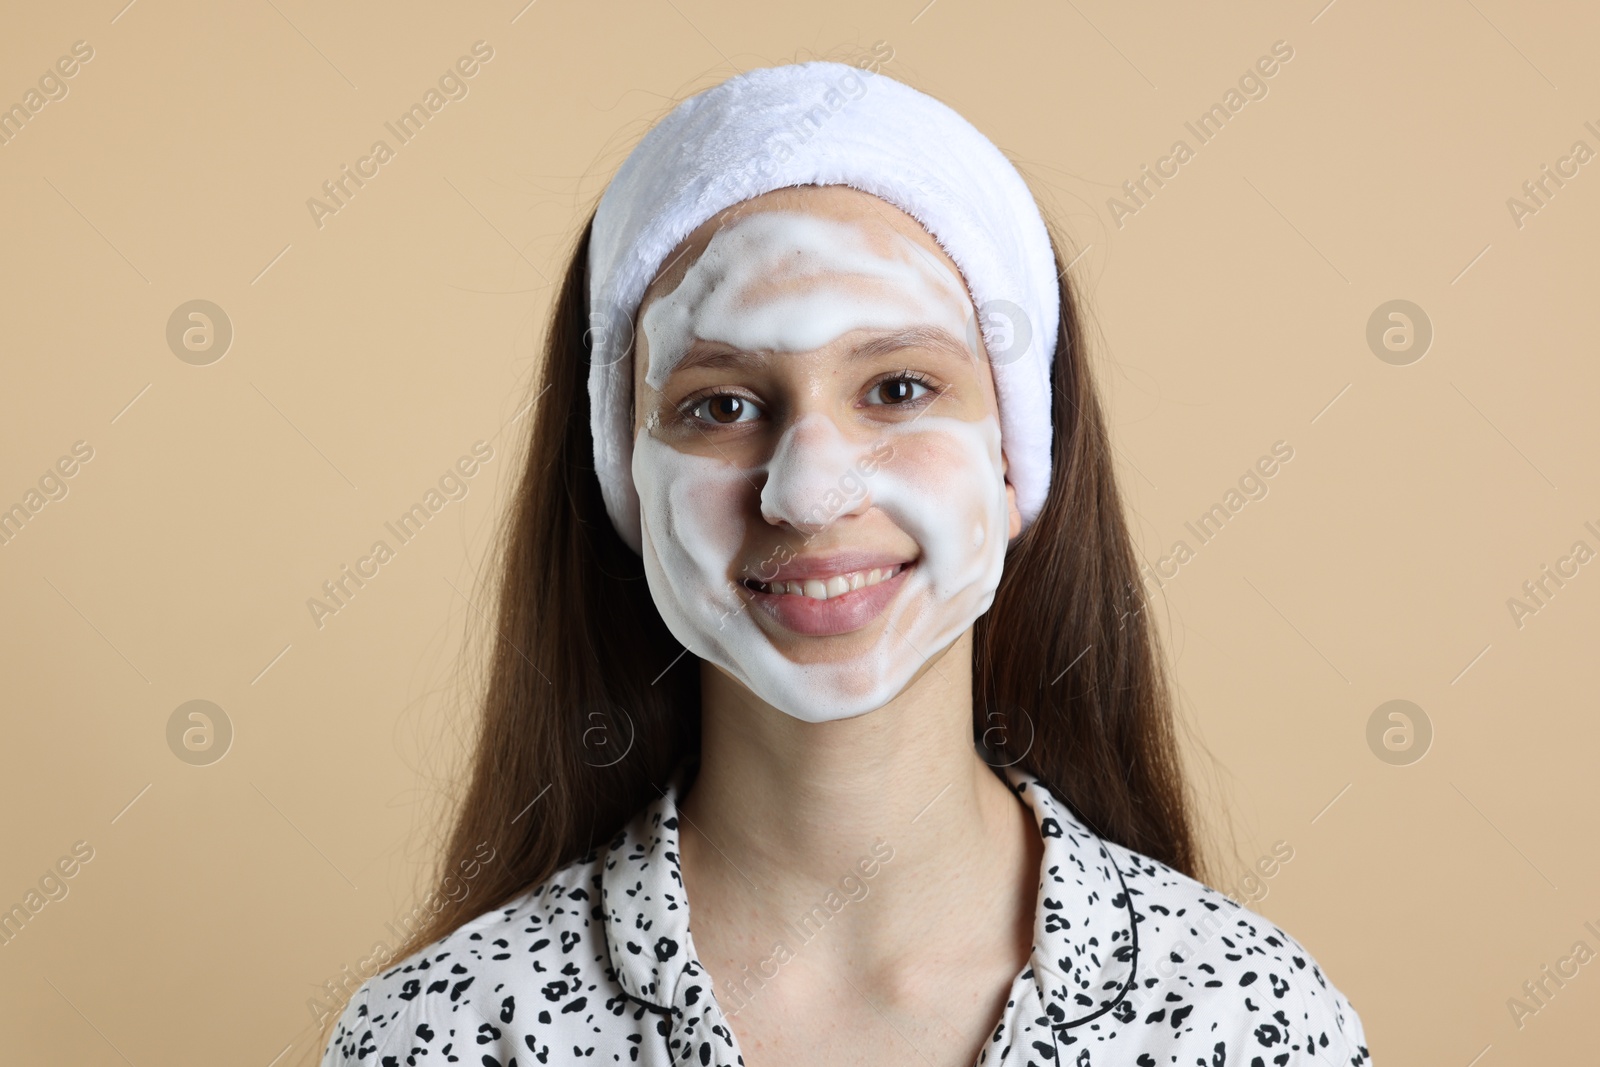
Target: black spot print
{"points": [[1135, 963]]}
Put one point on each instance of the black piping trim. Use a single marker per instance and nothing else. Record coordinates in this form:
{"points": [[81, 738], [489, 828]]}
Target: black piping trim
{"points": [[657, 1008]]}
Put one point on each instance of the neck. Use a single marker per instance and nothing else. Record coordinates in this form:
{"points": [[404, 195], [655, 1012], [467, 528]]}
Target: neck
{"points": [[782, 810]]}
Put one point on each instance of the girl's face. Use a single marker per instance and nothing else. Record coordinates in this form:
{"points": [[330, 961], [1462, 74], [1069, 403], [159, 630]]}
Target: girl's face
{"points": [[817, 450]]}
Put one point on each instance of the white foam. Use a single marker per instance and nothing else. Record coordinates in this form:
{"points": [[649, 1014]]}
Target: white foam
{"points": [[726, 295]]}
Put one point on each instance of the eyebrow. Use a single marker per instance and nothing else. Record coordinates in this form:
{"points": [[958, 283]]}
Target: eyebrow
{"points": [[930, 337]]}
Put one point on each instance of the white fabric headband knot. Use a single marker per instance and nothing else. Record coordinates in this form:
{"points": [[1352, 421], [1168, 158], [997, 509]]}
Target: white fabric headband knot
{"points": [[825, 123]]}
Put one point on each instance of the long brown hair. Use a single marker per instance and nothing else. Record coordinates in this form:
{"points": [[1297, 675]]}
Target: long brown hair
{"points": [[591, 704]]}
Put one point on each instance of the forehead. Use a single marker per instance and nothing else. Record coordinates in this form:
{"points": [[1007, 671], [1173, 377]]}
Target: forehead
{"points": [[881, 224]]}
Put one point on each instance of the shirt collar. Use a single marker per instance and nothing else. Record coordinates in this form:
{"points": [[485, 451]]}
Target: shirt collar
{"points": [[646, 909], [1085, 945], [1085, 938]]}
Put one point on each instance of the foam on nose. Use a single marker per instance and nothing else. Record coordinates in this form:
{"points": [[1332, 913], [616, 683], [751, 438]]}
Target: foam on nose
{"points": [[808, 479]]}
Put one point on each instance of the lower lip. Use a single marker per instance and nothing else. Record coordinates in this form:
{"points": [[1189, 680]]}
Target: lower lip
{"points": [[838, 614]]}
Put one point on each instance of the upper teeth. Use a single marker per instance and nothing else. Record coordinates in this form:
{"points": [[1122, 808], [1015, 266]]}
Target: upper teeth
{"points": [[824, 588]]}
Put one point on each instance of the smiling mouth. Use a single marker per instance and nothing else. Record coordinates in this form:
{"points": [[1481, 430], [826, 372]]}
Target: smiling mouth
{"points": [[828, 588], [829, 607]]}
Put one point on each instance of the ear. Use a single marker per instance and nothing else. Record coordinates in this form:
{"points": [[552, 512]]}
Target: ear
{"points": [[1014, 515]]}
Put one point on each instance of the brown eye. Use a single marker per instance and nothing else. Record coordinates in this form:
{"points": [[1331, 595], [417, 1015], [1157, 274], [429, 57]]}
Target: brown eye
{"points": [[724, 408], [900, 390]]}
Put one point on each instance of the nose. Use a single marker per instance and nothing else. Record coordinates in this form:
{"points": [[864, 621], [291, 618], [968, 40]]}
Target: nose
{"points": [[813, 477]]}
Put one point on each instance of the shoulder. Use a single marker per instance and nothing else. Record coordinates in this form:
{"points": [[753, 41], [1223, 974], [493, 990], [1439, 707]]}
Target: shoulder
{"points": [[547, 943], [1211, 968]]}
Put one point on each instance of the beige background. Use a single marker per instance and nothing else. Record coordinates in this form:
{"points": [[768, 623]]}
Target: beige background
{"points": [[1230, 312]]}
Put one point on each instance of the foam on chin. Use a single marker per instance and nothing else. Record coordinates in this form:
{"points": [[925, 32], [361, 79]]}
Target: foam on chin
{"points": [[943, 486]]}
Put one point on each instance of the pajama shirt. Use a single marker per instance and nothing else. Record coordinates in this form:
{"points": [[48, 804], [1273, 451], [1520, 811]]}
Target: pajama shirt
{"points": [[1133, 964]]}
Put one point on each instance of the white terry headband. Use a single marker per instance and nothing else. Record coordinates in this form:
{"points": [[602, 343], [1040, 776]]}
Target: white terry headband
{"points": [[825, 123]]}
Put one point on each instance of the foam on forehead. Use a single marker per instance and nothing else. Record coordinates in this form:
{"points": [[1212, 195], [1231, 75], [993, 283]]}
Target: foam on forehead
{"points": [[739, 290], [825, 123]]}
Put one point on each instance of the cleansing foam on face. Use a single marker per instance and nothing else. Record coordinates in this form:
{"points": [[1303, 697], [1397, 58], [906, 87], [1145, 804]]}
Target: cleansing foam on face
{"points": [[784, 282]]}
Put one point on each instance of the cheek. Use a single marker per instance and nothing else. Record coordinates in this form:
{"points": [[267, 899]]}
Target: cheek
{"points": [[945, 488], [947, 469], [691, 508]]}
